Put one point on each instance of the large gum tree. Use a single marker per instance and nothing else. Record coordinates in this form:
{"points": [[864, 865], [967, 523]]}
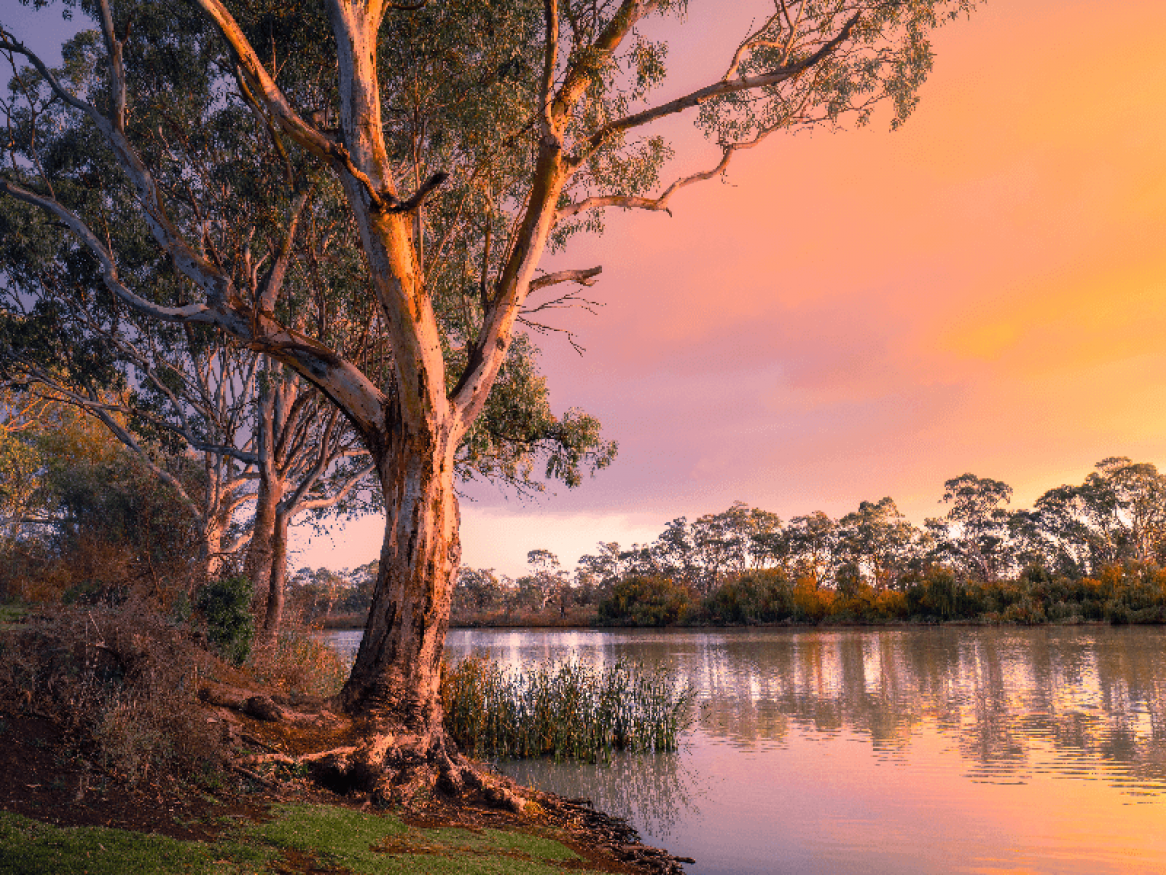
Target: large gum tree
{"points": [[466, 139]]}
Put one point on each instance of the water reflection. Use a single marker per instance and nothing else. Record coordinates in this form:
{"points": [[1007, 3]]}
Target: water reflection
{"points": [[891, 751], [1050, 700], [653, 790]]}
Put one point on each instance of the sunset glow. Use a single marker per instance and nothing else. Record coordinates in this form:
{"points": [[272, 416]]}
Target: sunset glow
{"points": [[869, 313]]}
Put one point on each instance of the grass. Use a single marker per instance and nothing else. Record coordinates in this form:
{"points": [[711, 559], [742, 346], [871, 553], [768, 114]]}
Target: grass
{"points": [[299, 837], [28, 847], [569, 710], [12, 612]]}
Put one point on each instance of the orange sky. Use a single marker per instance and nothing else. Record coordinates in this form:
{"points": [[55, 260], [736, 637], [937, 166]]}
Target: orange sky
{"points": [[864, 313]]}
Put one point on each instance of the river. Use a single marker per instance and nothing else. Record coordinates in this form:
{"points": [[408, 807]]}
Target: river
{"points": [[922, 750]]}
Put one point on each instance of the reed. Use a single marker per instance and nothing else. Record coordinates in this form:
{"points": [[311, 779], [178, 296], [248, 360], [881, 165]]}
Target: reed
{"points": [[568, 710]]}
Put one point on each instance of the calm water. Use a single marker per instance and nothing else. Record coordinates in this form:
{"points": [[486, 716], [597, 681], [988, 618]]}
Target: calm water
{"points": [[887, 751]]}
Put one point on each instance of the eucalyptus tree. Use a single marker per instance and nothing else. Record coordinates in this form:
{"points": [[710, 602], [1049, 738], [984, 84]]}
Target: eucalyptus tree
{"points": [[468, 138], [879, 540], [1056, 534], [1125, 508], [181, 408], [812, 540], [974, 534]]}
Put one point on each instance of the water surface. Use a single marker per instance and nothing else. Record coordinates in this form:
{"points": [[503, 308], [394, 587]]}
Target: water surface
{"points": [[955, 750]]}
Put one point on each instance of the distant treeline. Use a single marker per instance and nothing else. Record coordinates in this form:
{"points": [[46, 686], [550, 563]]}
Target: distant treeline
{"points": [[1093, 551]]}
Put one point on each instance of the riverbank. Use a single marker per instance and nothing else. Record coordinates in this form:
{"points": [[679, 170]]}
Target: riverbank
{"points": [[118, 755], [57, 817]]}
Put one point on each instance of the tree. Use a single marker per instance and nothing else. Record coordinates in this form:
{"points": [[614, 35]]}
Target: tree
{"points": [[878, 540], [812, 541], [1125, 503], [974, 533], [465, 140]]}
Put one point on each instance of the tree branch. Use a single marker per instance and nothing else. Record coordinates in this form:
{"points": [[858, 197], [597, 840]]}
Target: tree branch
{"points": [[584, 277], [717, 89], [189, 313]]}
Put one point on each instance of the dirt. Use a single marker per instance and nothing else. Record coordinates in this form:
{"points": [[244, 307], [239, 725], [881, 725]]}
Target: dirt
{"points": [[43, 775]]}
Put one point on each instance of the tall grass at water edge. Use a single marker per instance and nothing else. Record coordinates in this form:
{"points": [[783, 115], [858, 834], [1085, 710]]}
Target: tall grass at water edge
{"points": [[568, 710]]}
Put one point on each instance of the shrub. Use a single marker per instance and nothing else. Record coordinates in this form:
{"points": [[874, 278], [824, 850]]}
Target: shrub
{"points": [[938, 595], [298, 662], [122, 682], [225, 605], [645, 601], [812, 604], [754, 597]]}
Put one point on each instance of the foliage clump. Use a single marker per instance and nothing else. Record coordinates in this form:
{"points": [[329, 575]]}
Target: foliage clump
{"points": [[225, 606], [122, 682], [645, 601]]}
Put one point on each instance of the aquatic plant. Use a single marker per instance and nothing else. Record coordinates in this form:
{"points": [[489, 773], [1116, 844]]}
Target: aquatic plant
{"points": [[570, 709]]}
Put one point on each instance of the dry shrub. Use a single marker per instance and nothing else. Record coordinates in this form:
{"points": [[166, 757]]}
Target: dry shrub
{"points": [[123, 682], [297, 663]]}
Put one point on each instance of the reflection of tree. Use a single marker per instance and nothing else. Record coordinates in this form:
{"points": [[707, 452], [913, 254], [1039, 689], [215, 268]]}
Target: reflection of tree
{"points": [[1063, 701], [652, 791]]}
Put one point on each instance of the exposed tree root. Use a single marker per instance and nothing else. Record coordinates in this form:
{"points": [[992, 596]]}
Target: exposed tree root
{"points": [[352, 756]]}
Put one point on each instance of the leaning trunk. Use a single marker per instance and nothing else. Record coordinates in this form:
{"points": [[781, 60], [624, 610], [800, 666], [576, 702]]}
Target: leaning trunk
{"points": [[397, 672]]}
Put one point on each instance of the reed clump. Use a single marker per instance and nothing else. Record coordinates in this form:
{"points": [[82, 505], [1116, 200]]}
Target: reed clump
{"points": [[567, 710]]}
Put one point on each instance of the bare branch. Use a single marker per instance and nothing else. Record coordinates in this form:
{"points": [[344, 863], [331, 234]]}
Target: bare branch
{"points": [[584, 277], [342, 493]]}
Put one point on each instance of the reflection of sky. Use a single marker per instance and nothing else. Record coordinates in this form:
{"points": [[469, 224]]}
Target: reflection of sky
{"points": [[888, 751], [961, 750]]}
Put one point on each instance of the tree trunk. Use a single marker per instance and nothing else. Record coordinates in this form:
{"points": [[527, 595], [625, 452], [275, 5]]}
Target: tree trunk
{"points": [[276, 577], [395, 683], [258, 565], [210, 551], [397, 672]]}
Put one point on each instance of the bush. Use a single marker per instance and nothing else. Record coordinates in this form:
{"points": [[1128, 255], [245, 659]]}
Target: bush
{"points": [[226, 608], [939, 595], [298, 662], [754, 597], [645, 601], [812, 604]]}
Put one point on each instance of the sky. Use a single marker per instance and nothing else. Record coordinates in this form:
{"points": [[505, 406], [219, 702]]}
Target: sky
{"points": [[865, 313]]}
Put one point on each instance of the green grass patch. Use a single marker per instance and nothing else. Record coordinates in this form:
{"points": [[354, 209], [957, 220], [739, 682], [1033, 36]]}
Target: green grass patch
{"points": [[28, 847], [336, 839], [12, 612], [364, 842]]}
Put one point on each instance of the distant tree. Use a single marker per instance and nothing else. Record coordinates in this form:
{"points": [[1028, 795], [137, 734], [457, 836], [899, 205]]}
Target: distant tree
{"points": [[812, 541], [1125, 505], [879, 541], [478, 590], [974, 535]]}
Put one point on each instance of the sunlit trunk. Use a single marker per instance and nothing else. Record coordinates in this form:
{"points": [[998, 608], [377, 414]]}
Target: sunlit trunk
{"points": [[210, 550], [397, 671]]}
